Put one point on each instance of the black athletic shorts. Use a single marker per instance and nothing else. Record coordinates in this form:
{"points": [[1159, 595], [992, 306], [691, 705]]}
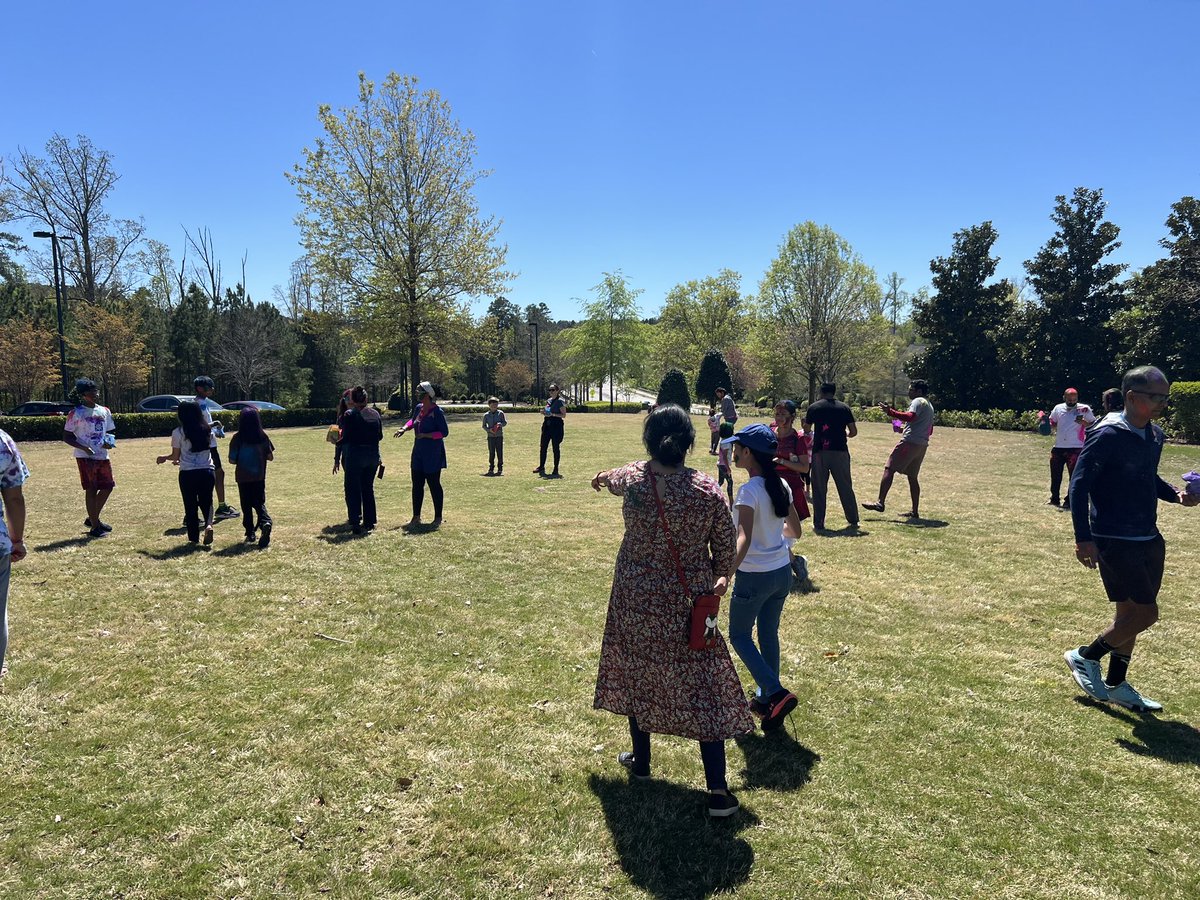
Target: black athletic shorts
{"points": [[1132, 570], [216, 458]]}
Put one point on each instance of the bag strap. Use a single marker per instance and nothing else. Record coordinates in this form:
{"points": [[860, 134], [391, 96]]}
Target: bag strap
{"points": [[662, 518]]}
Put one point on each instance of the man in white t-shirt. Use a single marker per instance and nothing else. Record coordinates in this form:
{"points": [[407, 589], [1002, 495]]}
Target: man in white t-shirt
{"points": [[89, 429], [909, 453], [1069, 420]]}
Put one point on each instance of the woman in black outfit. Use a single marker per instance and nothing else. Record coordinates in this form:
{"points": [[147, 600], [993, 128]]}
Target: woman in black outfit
{"points": [[357, 455], [554, 414]]}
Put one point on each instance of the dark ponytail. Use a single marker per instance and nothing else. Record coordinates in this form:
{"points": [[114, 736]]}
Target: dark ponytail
{"points": [[669, 434], [774, 484]]}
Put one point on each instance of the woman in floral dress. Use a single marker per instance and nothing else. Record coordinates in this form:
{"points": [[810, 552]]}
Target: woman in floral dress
{"points": [[647, 671]]}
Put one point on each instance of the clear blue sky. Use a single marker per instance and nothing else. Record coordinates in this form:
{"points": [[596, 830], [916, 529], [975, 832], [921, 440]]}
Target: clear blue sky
{"points": [[667, 139]]}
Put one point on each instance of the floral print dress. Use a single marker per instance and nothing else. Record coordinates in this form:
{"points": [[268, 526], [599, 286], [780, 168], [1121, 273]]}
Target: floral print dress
{"points": [[646, 667]]}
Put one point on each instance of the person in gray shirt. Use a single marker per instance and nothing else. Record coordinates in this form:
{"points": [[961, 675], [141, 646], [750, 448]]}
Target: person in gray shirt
{"points": [[909, 453], [728, 407]]}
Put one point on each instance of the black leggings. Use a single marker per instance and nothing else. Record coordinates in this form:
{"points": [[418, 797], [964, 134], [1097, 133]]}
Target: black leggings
{"points": [[552, 433], [419, 480], [712, 754], [196, 486]]}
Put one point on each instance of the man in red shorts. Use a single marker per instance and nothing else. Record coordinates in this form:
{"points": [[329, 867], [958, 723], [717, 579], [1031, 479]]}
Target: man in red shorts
{"points": [[908, 455], [88, 429]]}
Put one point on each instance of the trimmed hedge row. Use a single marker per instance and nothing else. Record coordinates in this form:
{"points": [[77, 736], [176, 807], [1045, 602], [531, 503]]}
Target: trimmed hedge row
{"points": [[984, 419]]}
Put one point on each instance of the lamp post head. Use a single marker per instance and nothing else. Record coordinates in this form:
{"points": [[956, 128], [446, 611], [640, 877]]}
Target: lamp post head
{"points": [[43, 234]]}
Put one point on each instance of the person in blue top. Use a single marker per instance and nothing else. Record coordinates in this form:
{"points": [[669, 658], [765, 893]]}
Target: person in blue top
{"points": [[554, 415], [428, 423], [1114, 497]]}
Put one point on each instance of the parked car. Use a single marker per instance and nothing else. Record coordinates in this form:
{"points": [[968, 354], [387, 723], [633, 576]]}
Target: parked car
{"points": [[42, 408], [170, 402], [257, 404]]}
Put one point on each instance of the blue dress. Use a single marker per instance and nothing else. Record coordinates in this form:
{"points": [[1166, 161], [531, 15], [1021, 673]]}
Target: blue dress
{"points": [[429, 456]]}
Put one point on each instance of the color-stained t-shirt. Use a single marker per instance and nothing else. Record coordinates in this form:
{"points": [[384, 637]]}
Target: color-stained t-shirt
{"points": [[829, 419], [1070, 424], [13, 473], [89, 427]]}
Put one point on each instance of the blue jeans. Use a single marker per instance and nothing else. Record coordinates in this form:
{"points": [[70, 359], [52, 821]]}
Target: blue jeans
{"points": [[758, 597], [5, 572]]}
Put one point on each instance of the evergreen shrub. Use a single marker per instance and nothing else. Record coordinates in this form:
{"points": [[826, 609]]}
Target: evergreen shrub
{"points": [[1185, 408]]}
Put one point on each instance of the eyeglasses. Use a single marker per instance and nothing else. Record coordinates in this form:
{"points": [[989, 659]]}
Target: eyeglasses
{"points": [[1153, 398]]}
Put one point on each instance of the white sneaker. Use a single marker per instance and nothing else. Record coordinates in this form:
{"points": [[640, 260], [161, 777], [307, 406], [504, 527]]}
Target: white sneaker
{"points": [[1126, 695], [1086, 673]]}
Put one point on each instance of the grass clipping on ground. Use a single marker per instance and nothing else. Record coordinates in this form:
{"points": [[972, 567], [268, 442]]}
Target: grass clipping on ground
{"points": [[180, 723]]}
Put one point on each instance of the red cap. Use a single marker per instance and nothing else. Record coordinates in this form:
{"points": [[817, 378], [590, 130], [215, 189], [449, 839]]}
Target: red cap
{"points": [[1071, 391]]}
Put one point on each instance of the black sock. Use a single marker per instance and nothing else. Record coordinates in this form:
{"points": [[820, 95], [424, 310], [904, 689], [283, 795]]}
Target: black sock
{"points": [[1096, 649], [1118, 667]]}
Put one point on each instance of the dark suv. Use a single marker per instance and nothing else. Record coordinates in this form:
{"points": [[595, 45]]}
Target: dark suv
{"points": [[42, 408]]}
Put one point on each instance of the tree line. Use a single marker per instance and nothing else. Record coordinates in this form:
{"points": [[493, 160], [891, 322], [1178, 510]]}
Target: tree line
{"points": [[395, 248]]}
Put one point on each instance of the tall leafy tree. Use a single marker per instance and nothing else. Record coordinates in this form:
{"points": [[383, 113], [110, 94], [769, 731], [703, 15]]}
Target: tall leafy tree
{"points": [[701, 314], [1070, 341], [255, 346], [191, 335], [390, 211], [609, 341], [66, 191], [961, 323], [28, 359], [819, 292], [1163, 319], [108, 346]]}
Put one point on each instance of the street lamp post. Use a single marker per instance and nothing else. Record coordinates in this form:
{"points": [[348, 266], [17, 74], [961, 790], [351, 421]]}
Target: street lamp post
{"points": [[58, 303], [537, 360]]}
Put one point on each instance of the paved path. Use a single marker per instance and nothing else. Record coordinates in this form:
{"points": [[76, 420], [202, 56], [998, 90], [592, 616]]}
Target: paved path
{"points": [[627, 394]]}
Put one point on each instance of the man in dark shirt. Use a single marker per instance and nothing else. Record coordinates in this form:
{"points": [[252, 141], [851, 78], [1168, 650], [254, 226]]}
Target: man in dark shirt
{"points": [[1114, 497], [832, 425]]}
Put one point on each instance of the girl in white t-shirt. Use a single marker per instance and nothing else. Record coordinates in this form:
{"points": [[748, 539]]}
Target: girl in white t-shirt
{"points": [[766, 523], [190, 450]]}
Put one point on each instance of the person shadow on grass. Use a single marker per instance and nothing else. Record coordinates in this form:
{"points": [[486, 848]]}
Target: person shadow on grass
{"points": [[776, 762], [174, 552], [666, 843], [1166, 739]]}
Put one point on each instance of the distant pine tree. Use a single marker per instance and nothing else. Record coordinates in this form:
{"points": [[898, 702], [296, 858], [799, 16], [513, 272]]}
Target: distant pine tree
{"points": [[674, 389]]}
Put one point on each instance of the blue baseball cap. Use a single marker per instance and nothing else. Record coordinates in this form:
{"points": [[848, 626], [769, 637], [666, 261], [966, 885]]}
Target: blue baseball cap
{"points": [[757, 437]]}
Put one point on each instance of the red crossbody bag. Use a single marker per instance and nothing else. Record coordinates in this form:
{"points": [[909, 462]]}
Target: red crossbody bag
{"points": [[702, 624]]}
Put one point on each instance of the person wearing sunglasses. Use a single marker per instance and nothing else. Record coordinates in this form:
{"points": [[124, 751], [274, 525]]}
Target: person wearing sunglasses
{"points": [[1114, 497]]}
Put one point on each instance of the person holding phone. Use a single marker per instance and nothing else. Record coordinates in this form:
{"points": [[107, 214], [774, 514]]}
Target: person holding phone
{"points": [[1069, 421]]}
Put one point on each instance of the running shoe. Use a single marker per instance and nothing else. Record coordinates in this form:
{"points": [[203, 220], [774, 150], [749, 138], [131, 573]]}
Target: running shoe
{"points": [[1126, 695], [1086, 673], [780, 704]]}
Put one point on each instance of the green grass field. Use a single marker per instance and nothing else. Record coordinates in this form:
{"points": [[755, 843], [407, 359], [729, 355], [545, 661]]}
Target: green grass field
{"points": [[173, 725]]}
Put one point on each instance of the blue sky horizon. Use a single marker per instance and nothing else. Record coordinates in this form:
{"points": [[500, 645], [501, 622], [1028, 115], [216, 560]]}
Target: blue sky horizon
{"points": [[666, 140]]}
